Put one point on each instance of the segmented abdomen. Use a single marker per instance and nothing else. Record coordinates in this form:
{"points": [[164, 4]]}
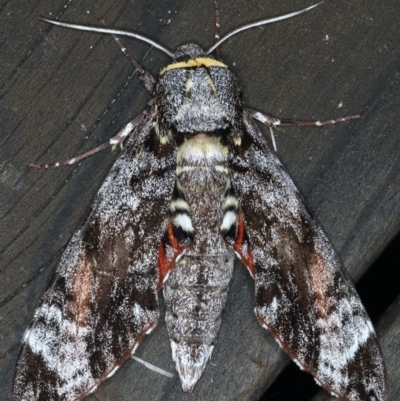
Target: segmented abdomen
{"points": [[197, 288]]}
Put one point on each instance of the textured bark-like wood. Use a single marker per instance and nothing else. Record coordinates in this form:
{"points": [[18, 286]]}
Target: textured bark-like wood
{"points": [[65, 91]]}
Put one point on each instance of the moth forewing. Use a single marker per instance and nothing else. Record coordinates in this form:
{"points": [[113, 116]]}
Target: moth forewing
{"points": [[195, 187]]}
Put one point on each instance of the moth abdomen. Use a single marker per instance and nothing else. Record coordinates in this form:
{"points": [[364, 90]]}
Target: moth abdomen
{"points": [[196, 289], [195, 295]]}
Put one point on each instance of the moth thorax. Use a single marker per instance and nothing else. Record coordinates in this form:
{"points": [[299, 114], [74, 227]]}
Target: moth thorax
{"points": [[202, 149], [198, 94]]}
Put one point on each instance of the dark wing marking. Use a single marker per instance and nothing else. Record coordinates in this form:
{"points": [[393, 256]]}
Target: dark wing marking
{"points": [[102, 299], [303, 296]]}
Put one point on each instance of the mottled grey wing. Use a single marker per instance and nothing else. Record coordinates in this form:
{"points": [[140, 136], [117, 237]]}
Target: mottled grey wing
{"points": [[102, 299], [303, 296]]}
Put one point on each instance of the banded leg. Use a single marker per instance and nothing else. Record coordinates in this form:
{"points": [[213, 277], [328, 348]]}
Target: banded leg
{"points": [[271, 122], [148, 81], [115, 140], [145, 77], [217, 29]]}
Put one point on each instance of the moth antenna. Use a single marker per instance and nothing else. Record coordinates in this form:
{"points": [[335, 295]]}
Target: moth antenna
{"points": [[109, 31], [259, 23]]}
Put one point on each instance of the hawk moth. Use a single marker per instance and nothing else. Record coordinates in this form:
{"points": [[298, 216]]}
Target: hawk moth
{"points": [[195, 187]]}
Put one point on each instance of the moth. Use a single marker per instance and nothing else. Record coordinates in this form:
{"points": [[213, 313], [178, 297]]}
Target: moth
{"points": [[194, 188]]}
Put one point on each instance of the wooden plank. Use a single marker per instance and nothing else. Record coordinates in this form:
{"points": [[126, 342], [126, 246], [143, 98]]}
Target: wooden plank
{"points": [[65, 91]]}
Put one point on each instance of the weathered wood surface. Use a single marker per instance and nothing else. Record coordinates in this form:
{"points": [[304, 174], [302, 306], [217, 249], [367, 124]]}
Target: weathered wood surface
{"points": [[63, 92]]}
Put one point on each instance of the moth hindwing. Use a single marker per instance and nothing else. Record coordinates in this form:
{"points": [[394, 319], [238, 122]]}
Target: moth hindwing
{"points": [[195, 187]]}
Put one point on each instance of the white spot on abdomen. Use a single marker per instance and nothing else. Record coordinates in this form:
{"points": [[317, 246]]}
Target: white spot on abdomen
{"points": [[183, 221], [228, 221]]}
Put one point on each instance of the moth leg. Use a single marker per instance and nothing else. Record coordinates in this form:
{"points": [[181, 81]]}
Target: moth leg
{"points": [[217, 29], [115, 140], [145, 77], [267, 121], [271, 122]]}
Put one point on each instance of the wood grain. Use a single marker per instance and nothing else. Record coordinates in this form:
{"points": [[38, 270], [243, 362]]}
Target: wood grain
{"points": [[64, 91]]}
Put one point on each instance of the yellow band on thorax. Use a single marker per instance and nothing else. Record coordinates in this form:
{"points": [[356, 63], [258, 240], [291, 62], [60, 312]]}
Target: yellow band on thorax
{"points": [[194, 62]]}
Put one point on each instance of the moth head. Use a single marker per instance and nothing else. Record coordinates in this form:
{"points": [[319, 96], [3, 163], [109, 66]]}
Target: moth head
{"points": [[187, 52]]}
